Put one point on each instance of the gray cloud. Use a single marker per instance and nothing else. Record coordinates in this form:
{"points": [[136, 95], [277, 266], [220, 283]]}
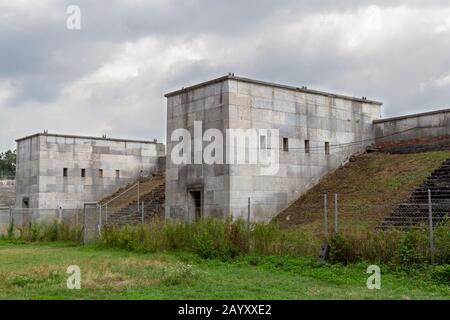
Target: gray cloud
{"points": [[110, 76]]}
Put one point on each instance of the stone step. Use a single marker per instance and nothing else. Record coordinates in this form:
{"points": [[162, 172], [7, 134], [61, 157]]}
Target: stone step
{"points": [[415, 210], [410, 223]]}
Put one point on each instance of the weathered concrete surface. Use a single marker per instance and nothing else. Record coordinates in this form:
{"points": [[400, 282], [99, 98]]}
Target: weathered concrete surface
{"points": [[7, 193], [298, 114], [209, 104], [414, 133], [41, 159]]}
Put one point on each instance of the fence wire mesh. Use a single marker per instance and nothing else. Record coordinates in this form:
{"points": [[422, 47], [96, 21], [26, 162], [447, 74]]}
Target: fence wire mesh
{"points": [[322, 216], [21, 217]]}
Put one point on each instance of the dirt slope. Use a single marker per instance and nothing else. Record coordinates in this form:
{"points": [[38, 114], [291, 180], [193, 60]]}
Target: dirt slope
{"points": [[369, 188]]}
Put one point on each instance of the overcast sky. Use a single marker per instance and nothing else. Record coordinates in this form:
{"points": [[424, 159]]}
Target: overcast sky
{"points": [[110, 77]]}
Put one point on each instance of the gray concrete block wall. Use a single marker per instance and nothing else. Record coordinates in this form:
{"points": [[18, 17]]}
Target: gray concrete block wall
{"points": [[209, 105], [299, 115], [27, 171], [45, 157], [413, 127]]}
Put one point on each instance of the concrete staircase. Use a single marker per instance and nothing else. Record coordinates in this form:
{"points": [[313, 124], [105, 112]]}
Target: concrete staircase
{"points": [[415, 210], [125, 209]]}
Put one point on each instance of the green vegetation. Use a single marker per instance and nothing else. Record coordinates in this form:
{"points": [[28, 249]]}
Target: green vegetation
{"points": [[43, 232], [226, 240], [38, 271], [399, 249], [7, 164], [219, 259], [222, 259]]}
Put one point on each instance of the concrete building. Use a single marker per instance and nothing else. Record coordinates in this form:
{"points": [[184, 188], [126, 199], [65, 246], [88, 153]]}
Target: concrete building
{"points": [[317, 132], [66, 171]]}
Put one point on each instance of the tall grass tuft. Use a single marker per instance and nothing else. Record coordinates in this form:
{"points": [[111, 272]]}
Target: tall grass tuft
{"points": [[10, 231], [405, 249], [211, 238], [226, 239], [44, 231]]}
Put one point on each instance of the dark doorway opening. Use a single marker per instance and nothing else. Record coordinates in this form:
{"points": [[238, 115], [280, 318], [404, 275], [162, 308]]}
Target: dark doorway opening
{"points": [[195, 205], [285, 144], [26, 202]]}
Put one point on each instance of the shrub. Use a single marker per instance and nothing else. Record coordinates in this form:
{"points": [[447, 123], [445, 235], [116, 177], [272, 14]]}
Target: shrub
{"points": [[404, 249], [222, 239], [178, 274], [442, 244], [441, 273], [413, 248], [341, 251]]}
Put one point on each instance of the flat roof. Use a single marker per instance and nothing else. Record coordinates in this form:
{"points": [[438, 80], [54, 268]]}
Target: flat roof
{"points": [[83, 137], [271, 84], [414, 115]]}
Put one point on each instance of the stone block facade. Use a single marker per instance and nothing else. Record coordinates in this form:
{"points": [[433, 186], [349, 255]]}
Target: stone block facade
{"points": [[318, 132], [7, 193], [66, 171]]}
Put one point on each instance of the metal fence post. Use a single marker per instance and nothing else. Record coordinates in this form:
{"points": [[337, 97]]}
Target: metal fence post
{"points": [[336, 229], [248, 214], [84, 224], [99, 210], [142, 211], [325, 216], [138, 196], [106, 213], [10, 215], [430, 222]]}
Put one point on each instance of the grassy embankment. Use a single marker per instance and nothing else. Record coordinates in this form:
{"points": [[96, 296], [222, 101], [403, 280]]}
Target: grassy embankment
{"points": [[369, 188]]}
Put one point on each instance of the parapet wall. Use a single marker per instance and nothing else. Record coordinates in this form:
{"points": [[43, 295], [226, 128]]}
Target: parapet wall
{"points": [[414, 133]]}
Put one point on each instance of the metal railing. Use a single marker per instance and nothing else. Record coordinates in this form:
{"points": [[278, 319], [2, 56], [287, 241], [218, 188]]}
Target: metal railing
{"points": [[121, 202]]}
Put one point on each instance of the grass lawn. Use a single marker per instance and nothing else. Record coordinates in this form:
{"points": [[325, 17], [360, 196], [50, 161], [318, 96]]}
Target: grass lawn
{"points": [[38, 271]]}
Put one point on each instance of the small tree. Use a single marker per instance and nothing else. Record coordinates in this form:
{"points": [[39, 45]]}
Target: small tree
{"points": [[8, 163]]}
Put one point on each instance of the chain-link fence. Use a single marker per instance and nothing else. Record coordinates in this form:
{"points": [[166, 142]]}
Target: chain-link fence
{"points": [[91, 222], [322, 216], [90, 219], [336, 214], [20, 217]]}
